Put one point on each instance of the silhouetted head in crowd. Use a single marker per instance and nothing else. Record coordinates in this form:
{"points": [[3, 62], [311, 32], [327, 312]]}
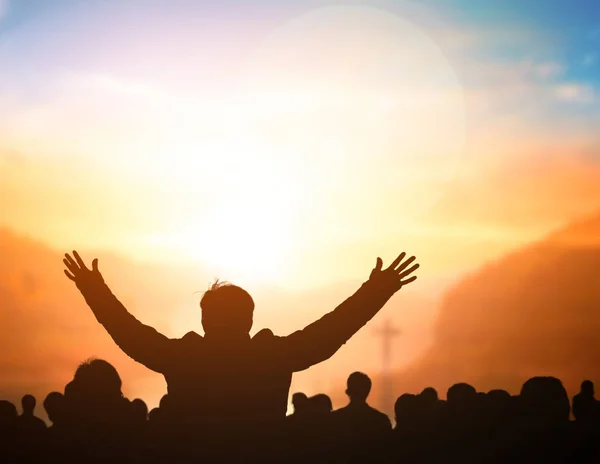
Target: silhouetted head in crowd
{"points": [[98, 378], [227, 310], [94, 395], [28, 404], [499, 394], [154, 415], [164, 402], [429, 395], [69, 389], [406, 411], [499, 398], [54, 404], [359, 387], [498, 405], [461, 394], [545, 400], [300, 402], [139, 410], [587, 388], [8, 414], [320, 404]]}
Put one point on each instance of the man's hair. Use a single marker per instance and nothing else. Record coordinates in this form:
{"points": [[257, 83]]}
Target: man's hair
{"points": [[545, 398], [430, 394], [28, 403], [587, 386], [359, 386], [97, 376], [461, 393], [54, 404], [228, 306], [320, 403], [299, 400]]}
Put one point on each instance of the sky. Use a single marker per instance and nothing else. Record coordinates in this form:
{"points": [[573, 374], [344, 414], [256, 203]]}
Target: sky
{"points": [[290, 143], [264, 141]]}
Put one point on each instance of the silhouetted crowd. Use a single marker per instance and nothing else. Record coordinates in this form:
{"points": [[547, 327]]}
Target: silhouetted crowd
{"points": [[93, 422]]}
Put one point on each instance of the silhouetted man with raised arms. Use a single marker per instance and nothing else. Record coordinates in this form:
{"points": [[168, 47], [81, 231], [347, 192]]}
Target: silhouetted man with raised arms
{"points": [[227, 380]]}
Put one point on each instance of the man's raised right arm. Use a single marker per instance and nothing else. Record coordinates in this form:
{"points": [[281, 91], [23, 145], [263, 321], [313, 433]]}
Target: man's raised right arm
{"points": [[321, 339], [140, 342]]}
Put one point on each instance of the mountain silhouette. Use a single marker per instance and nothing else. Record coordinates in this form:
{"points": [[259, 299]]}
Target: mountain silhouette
{"points": [[535, 311]]}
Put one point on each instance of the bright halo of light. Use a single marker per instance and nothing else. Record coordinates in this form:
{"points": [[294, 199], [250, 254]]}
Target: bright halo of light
{"points": [[245, 226], [348, 123], [378, 87]]}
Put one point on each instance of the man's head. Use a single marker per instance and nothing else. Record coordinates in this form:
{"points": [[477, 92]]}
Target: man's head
{"points": [[226, 310], [54, 404], [8, 415], [28, 403], [406, 410], [429, 395], [587, 387], [461, 395], [139, 410], [545, 399], [320, 404], [96, 380], [299, 401], [359, 386]]}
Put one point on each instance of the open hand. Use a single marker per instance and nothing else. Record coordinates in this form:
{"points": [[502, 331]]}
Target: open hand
{"points": [[78, 272], [396, 275]]}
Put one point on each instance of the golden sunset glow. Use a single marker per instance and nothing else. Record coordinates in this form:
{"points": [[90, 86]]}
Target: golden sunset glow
{"points": [[287, 156]]}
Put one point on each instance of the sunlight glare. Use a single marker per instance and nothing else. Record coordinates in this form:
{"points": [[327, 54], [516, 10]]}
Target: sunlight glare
{"points": [[249, 205]]}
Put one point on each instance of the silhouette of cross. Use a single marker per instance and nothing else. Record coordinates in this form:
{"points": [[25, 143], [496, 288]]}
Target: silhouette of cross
{"points": [[387, 333]]}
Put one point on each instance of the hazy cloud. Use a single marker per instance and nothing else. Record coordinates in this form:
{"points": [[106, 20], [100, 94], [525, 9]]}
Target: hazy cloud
{"points": [[549, 69], [575, 92]]}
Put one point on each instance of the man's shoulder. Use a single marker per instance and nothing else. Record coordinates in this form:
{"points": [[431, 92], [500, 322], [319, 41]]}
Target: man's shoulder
{"points": [[341, 412], [40, 422], [380, 416], [265, 336], [376, 412], [190, 339], [265, 341]]}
